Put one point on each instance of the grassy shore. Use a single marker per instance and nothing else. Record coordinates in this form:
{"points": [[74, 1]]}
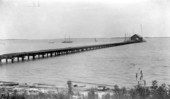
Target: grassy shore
{"points": [[137, 92]]}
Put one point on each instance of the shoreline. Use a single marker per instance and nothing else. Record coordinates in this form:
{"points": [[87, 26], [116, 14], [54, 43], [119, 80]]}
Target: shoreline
{"points": [[28, 91]]}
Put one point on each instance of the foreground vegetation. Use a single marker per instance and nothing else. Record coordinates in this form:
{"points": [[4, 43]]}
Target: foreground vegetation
{"points": [[138, 92]]}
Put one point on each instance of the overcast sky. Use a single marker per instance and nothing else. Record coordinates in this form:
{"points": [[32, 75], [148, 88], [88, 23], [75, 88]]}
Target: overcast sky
{"points": [[50, 19]]}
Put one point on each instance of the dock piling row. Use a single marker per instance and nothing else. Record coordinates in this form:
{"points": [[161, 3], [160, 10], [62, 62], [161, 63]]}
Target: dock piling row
{"points": [[55, 52]]}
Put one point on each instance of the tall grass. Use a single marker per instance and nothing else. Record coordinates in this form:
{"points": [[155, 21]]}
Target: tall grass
{"points": [[137, 92]]}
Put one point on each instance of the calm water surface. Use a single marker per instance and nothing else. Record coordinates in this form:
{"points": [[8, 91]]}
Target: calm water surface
{"points": [[115, 65]]}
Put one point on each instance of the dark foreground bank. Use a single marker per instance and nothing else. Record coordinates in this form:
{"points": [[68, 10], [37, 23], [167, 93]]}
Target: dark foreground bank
{"points": [[38, 91]]}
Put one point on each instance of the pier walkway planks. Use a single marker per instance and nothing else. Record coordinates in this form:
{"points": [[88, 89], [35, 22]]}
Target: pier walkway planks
{"points": [[32, 55]]}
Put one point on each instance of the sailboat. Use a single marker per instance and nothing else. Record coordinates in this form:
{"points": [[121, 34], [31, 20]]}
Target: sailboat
{"points": [[35, 3], [67, 40], [95, 39]]}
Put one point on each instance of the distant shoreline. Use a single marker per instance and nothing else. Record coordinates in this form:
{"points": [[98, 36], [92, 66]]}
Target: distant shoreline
{"points": [[81, 38], [25, 91]]}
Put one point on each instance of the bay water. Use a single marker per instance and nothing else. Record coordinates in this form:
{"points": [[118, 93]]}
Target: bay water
{"points": [[114, 65]]}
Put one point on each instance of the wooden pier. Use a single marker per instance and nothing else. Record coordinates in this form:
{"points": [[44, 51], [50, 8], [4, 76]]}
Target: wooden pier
{"points": [[32, 55]]}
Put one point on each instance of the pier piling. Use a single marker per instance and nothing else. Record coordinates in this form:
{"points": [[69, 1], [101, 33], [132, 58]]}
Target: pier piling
{"points": [[18, 59], [6, 60], [42, 55], [12, 60], [22, 58], [33, 57]]}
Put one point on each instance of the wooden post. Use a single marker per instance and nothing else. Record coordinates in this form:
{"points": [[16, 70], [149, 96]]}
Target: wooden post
{"points": [[33, 57], [43, 55], [70, 92], [18, 59], [28, 57], [22, 58], [6, 60], [12, 59]]}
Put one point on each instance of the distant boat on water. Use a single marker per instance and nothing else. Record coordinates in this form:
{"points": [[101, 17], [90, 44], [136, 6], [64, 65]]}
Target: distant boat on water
{"points": [[95, 39], [67, 40], [50, 42]]}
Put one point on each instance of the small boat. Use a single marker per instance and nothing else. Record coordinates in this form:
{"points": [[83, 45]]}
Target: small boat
{"points": [[50, 42], [95, 39], [67, 40]]}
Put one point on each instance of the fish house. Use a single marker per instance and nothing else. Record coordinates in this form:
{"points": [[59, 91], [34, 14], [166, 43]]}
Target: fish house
{"points": [[136, 37]]}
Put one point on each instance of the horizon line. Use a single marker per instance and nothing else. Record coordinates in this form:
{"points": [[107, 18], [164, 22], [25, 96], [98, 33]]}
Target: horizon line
{"points": [[73, 38]]}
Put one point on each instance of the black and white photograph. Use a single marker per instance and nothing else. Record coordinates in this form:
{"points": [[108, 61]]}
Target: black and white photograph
{"points": [[84, 49]]}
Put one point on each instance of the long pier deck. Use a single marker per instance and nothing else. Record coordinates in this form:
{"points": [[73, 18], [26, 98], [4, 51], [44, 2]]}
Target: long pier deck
{"points": [[32, 55]]}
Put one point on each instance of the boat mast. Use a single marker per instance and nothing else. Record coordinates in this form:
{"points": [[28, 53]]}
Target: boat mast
{"points": [[35, 3], [95, 39], [69, 38], [141, 30], [38, 3], [65, 37], [125, 36]]}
